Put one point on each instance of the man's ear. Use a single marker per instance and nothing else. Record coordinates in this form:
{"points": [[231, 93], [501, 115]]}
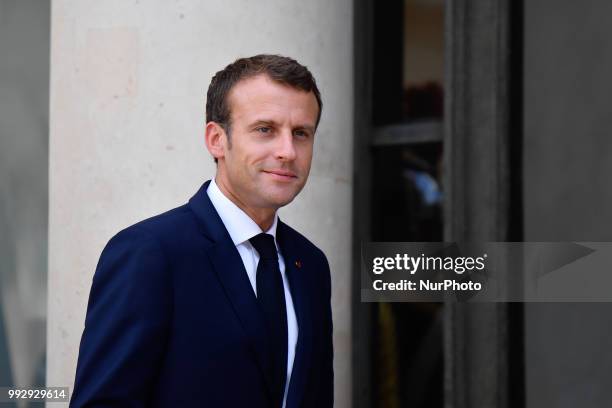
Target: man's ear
{"points": [[216, 139]]}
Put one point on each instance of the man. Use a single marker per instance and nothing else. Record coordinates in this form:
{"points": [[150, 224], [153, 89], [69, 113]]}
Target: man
{"points": [[218, 303]]}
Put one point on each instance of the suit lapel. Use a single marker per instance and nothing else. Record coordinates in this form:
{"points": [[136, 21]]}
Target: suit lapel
{"points": [[232, 275], [297, 270]]}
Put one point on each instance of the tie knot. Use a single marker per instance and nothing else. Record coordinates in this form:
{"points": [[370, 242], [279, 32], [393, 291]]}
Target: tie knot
{"points": [[264, 244]]}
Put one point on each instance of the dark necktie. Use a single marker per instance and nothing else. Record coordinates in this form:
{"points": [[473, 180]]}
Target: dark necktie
{"points": [[271, 298]]}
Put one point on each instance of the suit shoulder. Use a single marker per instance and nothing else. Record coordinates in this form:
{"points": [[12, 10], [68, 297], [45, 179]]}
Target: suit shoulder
{"points": [[161, 225], [173, 219], [169, 231]]}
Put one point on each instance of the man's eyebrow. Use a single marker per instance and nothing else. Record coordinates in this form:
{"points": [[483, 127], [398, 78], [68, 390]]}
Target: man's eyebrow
{"points": [[271, 122], [267, 122]]}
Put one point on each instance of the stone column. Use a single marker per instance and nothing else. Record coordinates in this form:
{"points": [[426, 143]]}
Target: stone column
{"points": [[128, 84]]}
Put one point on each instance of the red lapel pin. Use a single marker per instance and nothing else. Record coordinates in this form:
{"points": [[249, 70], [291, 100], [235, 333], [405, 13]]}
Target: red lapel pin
{"points": [[298, 264]]}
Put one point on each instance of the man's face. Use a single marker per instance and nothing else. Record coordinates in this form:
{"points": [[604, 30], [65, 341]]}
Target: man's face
{"points": [[267, 160]]}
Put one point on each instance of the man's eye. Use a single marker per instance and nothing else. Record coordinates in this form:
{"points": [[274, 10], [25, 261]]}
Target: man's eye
{"points": [[263, 129]]}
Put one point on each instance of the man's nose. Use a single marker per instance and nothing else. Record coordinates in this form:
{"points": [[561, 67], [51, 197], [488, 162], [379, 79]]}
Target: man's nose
{"points": [[285, 149]]}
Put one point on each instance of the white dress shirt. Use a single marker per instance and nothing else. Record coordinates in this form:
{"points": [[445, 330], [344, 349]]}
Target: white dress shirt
{"points": [[241, 228]]}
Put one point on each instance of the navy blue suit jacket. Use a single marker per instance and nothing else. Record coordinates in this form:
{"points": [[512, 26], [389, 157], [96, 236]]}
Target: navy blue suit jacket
{"points": [[173, 321]]}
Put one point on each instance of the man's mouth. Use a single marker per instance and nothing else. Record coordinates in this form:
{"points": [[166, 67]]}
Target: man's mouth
{"points": [[282, 174]]}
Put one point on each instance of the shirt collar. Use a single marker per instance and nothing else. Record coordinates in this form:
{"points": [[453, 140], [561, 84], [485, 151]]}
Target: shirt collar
{"points": [[239, 225]]}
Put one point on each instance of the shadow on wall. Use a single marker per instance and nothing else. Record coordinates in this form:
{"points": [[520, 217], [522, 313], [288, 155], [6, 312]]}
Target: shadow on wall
{"points": [[24, 94]]}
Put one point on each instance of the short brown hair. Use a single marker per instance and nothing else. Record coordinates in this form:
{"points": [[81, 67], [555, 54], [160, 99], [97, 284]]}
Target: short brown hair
{"points": [[281, 69]]}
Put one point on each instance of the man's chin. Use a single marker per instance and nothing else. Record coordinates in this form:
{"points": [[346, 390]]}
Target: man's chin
{"points": [[281, 200], [274, 194]]}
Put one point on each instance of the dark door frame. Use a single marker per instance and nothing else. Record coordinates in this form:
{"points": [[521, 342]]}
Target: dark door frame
{"points": [[482, 186], [483, 343]]}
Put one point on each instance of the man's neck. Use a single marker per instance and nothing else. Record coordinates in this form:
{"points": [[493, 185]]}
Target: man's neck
{"points": [[263, 217]]}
